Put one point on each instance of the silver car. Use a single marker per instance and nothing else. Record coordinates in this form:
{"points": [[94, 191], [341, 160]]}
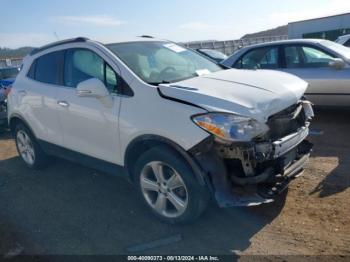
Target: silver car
{"points": [[343, 40], [325, 65]]}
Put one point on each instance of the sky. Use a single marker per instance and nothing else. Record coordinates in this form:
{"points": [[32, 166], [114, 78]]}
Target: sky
{"points": [[38, 22]]}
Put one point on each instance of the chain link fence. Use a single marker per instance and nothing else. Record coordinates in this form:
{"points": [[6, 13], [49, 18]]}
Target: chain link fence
{"points": [[11, 62], [230, 46], [227, 47]]}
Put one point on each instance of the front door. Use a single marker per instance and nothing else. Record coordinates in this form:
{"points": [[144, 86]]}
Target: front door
{"points": [[327, 85], [89, 125]]}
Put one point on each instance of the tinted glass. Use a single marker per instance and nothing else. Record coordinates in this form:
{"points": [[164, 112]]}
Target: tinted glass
{"points": [[157, 62], [315, 57], [306, 57], [347, 43], [81, 65], [262, 58], [48, 68], [111, 79]]}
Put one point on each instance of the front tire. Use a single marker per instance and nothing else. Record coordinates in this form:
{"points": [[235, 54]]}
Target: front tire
{"points": [[28, 148], [168, 186]]}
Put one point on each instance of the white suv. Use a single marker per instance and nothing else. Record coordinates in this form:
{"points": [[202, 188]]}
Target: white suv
{"points": [[181, 127]]}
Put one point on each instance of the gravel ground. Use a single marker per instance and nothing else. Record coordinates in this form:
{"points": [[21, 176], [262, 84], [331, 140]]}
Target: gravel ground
{"points": [[70, 209]]}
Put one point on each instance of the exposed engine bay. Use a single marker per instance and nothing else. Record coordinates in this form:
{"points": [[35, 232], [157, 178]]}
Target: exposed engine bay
{"points": [[254, 172]]}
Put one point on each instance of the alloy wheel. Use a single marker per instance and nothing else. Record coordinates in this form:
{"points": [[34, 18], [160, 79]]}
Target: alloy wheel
{"points": [[164, 189], [25, 147]]}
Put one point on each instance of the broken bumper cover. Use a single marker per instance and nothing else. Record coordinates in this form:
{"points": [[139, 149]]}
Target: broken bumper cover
{"points": [[256, 194], [260, 171]]}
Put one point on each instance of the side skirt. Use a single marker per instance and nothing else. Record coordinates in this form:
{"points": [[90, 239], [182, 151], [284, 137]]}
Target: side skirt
{"points": [[85, 160]]}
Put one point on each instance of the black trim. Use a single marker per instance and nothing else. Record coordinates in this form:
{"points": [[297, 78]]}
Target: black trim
{"points": [[327, 94], [85, 160], [67, 41]]}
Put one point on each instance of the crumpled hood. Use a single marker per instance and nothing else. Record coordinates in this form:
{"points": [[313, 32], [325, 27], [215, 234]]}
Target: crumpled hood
{"points": [[256, 94]]}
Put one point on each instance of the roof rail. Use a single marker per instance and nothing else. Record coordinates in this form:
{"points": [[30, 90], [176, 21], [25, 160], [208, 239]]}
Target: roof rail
{"points": [[67, 41], [146, 36]]}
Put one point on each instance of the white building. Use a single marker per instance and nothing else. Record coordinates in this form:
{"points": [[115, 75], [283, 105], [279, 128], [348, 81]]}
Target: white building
{"points": [[329, 27]]}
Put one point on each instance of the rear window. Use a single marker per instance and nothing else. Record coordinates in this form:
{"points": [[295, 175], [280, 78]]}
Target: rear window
{"points": [[47, 68]]}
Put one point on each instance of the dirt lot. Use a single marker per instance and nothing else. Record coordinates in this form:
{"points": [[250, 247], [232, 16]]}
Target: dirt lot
{"points": [[70, 209]]}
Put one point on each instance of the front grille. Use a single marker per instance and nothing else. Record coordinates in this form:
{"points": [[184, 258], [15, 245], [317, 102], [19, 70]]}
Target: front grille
{"points": [[286, 122]]}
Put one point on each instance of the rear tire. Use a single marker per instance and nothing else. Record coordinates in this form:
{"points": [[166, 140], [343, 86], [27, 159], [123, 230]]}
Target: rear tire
{"points": [[168, 186], [28, 148]]}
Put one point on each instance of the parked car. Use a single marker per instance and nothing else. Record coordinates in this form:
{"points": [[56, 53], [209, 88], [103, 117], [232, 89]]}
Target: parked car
{"points": [[7, 77], [325, 65], [182, 128], [343, 40], [214, 55]]}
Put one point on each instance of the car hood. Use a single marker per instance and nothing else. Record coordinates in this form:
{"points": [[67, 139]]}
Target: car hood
{"points": [[256, 94]]}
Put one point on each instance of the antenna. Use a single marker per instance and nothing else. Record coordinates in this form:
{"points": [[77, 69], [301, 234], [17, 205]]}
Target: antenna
{"points": [[56, 36]]}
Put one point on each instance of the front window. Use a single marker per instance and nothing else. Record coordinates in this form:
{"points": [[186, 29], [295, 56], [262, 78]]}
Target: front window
{"points": [[162, 62], [83, 64], [306, 57]]}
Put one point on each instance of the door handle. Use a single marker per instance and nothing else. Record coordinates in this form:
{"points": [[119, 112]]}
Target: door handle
{"points": [[63, 103]]}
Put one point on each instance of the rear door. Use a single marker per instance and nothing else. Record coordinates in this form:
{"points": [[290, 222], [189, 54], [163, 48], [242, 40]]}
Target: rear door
{"points": [[327, 86], [260, 58], [89, 126], [38, 96]]}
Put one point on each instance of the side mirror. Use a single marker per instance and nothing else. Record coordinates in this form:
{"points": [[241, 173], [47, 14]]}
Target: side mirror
{"points": [[92, 87], [337, 63]]}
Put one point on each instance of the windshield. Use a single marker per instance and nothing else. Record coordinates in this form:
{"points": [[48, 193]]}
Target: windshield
{"points": [[214, 54], [162, 62], [8, 73], [340, 49]]}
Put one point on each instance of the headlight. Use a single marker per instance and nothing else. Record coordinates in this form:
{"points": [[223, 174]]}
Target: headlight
{"points": [[229, 127]]}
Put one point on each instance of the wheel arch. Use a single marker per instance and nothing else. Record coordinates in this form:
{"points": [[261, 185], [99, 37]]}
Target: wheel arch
{"points": [[14, 120], [143, 143]]}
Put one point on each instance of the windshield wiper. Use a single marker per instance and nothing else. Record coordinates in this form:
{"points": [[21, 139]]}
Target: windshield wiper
{"points": [[173, 81], [158, 83]]}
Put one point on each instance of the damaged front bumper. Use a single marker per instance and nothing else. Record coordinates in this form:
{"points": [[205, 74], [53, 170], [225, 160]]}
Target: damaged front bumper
{"points": [[252, 173]]}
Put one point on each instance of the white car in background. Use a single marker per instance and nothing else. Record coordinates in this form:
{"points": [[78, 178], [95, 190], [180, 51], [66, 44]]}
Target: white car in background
{"points": [[325, 65], [181, 127], [343, 40]]}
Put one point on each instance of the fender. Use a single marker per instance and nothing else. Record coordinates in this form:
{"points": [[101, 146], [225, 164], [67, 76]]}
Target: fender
{"points": [[15, 115], [143, 140]]}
